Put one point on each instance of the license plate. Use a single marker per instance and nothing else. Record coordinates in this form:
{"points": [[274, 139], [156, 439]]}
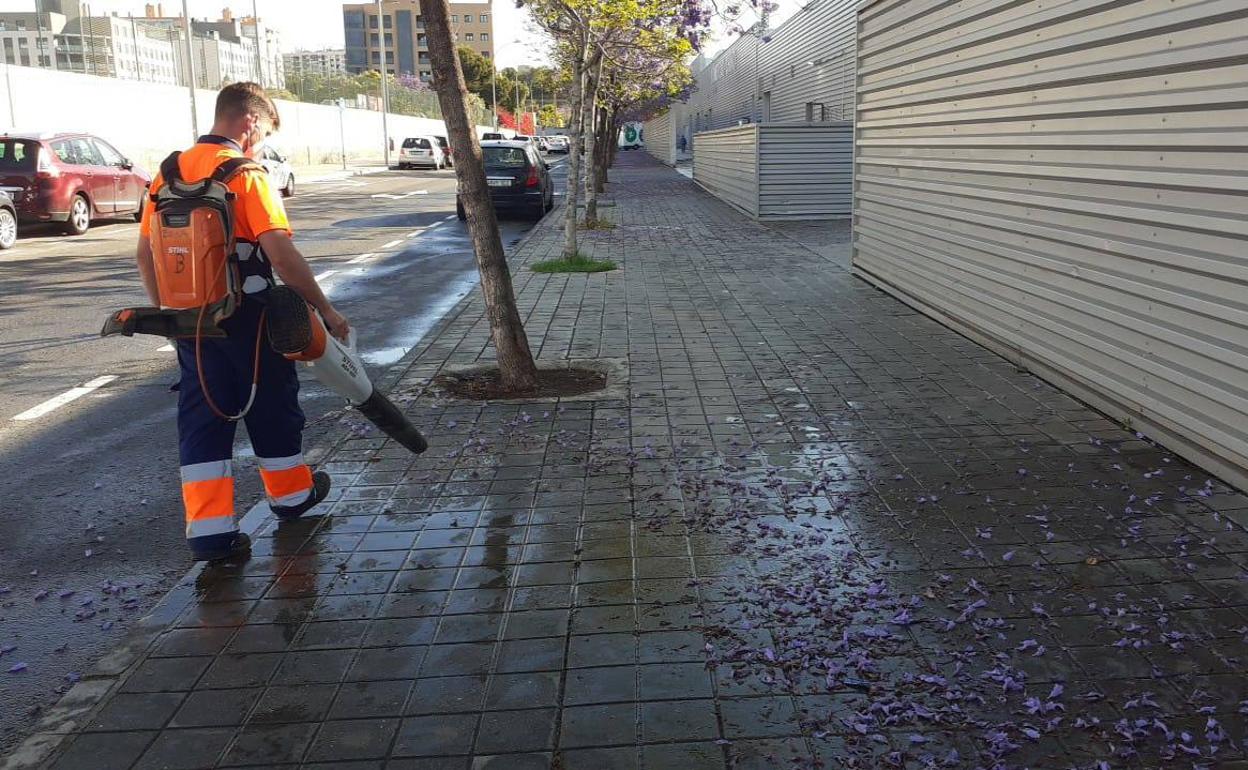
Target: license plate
{"points": [[499, 182]]}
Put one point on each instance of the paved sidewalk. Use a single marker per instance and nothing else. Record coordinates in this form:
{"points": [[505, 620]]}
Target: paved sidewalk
{"points": [[820, 530]]}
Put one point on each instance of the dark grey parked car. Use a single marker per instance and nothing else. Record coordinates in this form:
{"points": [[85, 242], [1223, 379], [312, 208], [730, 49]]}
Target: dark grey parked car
{"points": [[519, 179]]}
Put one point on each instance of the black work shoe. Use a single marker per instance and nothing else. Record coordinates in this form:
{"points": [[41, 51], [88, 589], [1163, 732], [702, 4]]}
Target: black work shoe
{"points": [[239, 549], [320, 488]]}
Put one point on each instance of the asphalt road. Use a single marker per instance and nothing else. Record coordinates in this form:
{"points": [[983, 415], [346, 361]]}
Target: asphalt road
{"points": [[89, 490]]}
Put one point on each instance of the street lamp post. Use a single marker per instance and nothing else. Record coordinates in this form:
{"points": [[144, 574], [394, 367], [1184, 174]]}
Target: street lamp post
{"points": [[385, 87], [255, 25], [190, 71], [494, 90]]}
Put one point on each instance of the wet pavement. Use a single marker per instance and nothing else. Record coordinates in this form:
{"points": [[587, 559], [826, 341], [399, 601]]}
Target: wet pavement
{"points": [[820, 530]]}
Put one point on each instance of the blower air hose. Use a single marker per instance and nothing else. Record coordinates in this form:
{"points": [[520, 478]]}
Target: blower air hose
{"points": [[293, 332]]}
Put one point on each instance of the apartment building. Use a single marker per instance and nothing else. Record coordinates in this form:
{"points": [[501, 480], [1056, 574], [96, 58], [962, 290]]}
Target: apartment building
{"points": [[324, 62], [399, 32]]}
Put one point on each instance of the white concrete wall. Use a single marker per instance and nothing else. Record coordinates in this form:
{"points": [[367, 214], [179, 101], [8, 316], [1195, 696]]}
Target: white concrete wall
{"points": [[147, 121]]}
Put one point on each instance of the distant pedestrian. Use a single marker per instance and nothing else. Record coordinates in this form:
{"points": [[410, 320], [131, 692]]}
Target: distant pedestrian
{"points": [[682, 143]]}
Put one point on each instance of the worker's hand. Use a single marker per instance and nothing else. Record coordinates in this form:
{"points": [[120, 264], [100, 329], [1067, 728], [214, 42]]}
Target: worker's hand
{"points": [[337, 324]]}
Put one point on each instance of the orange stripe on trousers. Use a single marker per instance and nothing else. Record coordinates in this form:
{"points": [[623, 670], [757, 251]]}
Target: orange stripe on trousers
{"points": [[209, 499], [286, 482]]}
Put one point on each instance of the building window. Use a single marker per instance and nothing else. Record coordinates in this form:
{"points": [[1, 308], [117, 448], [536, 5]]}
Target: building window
{"points": [[376, 57], [389, 40], [485, 18], [372, 22], [469, 37], [486, 54], [485, 37], [374, 40], [389, 21], [422, 39]]}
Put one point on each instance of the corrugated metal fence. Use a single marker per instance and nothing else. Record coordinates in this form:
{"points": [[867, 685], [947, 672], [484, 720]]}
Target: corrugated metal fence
{"points": [[725, 162], [658, 138], [805, 171], [1067, 182], [779, 172]]}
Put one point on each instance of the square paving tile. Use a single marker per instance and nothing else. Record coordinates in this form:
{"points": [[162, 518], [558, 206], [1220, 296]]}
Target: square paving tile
{"points": [[527, 730]]}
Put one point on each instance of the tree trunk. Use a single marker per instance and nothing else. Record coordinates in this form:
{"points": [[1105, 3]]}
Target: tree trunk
{"points": [[572, 189], [613, 130], [516, 367], [605, 121], [589, 119]]}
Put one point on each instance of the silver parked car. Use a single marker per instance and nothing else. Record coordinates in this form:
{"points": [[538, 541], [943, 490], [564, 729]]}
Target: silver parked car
{"points": [[422, 151], [281, 175]]}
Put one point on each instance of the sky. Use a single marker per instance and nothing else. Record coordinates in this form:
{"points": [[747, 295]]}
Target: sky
{"points": [[318, 23]]}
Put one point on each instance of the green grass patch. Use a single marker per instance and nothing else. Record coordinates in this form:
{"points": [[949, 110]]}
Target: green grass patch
{"points": [[577, 264]]}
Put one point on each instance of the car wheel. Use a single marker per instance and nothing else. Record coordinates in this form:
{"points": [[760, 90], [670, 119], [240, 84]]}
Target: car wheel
{"points": [[79, 215], [289, 190], [459, 210], [549, 204], [8, 228], [138, 212]]}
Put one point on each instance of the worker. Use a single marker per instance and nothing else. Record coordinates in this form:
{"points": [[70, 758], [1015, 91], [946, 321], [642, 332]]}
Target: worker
{"points": [[229, 366]]}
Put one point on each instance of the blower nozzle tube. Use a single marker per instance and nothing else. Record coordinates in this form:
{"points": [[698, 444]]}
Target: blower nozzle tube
{"points": [[297, 332], [382, 412]]}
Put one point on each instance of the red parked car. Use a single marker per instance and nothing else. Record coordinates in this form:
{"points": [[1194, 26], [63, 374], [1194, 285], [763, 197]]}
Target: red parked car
{"points": [[71, 178]]}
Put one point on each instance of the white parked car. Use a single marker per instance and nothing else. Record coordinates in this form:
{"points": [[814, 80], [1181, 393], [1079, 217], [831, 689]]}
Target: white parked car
{"points": [[424, 151], [281, 175], [558, 143]]}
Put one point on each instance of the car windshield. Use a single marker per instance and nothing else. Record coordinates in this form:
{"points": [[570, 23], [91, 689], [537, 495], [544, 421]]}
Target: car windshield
{"points": [[415, 142], [16, 155], [442, 141], [505, 157]]}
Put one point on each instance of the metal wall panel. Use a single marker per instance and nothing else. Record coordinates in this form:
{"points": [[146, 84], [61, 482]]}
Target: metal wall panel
{"points": [[769, 77], [658, 138], [1067, 183], [805, 171], [725, 163]]}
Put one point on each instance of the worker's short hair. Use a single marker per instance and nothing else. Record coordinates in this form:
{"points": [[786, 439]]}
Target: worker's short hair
{"points": [[246, 98]]}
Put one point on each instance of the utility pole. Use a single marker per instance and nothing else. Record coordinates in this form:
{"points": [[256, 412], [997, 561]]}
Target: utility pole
{"points": [[494, 90], [39, 40], [85, 26], [385, 87], [134, 34], [255, 25], [190, 71]]}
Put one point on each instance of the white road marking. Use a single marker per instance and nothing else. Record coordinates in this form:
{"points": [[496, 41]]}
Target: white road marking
{"points": [[400, 196], [448, 219], [415, 233], [166, 348], [73, 394], [392, 244], [322, 276], [361, 258]]}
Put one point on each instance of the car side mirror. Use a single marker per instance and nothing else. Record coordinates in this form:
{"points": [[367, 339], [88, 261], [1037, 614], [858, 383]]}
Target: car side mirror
{"points": [[126, 163], [280, 158]]}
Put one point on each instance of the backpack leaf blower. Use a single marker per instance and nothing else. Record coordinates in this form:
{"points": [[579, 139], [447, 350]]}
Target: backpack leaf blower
{"points": [[297, 332]]}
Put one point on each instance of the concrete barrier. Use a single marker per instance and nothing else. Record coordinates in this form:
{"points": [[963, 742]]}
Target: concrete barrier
{"points": [[146, 121]]}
